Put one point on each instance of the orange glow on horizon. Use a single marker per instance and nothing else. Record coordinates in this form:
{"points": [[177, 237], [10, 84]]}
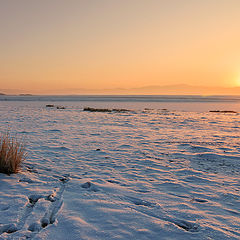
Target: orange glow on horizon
{"points": [[70, 46]]}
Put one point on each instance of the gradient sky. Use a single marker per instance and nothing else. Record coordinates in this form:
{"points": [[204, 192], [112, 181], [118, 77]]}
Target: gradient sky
{"points": [[49, 45]]}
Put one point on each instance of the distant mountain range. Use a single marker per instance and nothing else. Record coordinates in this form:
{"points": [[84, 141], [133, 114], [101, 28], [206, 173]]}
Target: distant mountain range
{"points": [[178, 89], [184, 89]]}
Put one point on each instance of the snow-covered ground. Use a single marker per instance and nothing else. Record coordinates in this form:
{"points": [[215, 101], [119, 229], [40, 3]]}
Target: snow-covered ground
{"points": [[144, 174]]}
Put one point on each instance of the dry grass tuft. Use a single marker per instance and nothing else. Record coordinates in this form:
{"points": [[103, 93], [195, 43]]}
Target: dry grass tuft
{"points": [[12, 154]]}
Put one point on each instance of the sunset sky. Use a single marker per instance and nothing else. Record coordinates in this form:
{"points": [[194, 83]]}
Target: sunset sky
{"points": [[53, 45]]}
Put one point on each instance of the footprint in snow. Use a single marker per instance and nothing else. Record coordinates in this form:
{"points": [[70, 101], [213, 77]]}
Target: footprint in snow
{"points": [[90, 186], [27, 180], [32, 217], [116, 182], [4, 208], [187, 226], [138, 202]]}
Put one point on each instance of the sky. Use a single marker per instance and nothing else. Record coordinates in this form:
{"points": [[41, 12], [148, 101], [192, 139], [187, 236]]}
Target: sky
{"points": [[65, 45]]}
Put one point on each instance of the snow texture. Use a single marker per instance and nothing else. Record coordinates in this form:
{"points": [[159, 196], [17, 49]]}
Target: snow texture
{"points": [[142, 174]]}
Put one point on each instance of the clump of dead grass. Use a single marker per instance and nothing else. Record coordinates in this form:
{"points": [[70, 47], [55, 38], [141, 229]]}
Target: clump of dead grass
{"points": [[12, 154]]}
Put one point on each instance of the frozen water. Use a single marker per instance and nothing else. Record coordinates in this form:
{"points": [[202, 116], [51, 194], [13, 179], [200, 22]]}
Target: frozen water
{"points": [[145, 174]]}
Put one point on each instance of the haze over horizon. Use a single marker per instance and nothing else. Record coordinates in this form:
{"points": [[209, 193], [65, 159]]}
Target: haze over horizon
{"points": [[62, 47], [178, 89]]}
